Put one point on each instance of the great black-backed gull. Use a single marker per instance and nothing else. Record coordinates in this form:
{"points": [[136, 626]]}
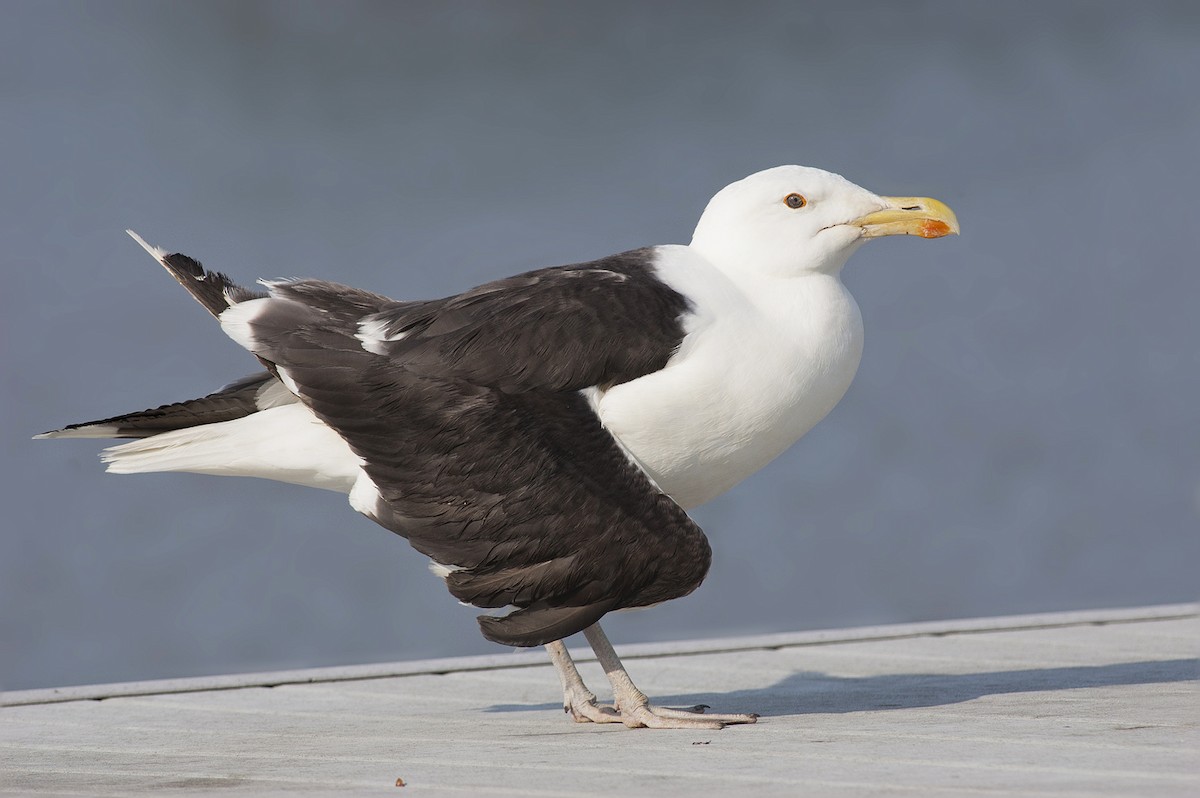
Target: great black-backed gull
{"points": [[539, 437]]}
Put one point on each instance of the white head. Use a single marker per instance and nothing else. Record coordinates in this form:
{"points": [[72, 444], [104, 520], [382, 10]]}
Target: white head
{"points": [[792, 220]]}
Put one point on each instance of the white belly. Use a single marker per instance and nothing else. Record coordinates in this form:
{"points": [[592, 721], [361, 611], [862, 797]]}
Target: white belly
{"points": [[743, 388]]}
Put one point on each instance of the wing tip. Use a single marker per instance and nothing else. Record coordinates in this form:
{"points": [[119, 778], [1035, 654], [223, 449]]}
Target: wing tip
{"points": [[158, 253], [81, 431]]}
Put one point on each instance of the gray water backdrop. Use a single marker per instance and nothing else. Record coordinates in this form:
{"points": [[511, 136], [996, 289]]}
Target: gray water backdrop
{"points": [[1022, 435]]}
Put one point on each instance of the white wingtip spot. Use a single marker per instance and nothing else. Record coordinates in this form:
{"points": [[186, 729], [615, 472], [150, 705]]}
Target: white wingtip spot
{"points": [[158, 253]]}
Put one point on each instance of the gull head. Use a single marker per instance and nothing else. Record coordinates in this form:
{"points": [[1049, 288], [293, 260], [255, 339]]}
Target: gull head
{"points": [[795, 220]]}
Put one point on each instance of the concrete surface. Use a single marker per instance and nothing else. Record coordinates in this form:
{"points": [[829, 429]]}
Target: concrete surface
{"points": [[1066, 704]]}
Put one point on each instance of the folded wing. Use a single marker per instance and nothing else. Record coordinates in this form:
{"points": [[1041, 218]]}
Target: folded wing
{"points": [[477, 443]]}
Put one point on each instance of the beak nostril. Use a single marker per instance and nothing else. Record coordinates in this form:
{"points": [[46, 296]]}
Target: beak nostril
{"points": [[911, 208]]}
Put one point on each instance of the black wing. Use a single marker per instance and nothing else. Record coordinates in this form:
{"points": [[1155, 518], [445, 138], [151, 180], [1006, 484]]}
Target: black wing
{"points": [[599, 323], [236, 400], [483, 452]]}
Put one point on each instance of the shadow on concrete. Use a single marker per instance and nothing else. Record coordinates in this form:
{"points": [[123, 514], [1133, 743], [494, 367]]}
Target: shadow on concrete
{"points": [[811, 692]]}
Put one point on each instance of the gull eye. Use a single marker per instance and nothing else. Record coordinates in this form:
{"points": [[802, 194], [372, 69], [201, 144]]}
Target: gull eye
{"points": [[794, 201]]}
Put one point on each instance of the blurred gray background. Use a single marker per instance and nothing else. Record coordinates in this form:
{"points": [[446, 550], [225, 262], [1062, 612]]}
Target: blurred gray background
{"points": [[1022, 435]]}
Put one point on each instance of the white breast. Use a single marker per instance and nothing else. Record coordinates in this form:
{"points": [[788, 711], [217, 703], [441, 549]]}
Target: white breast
{"points": [[765, 359]]}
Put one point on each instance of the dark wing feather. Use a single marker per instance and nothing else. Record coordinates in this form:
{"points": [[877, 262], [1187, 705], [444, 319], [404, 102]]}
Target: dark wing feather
{"points": [[599, 323], [214, 290], [235, 400], [530, 498], [484, 453]]}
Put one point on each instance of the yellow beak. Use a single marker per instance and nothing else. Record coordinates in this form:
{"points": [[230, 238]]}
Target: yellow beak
{"points": [[912, 216]]}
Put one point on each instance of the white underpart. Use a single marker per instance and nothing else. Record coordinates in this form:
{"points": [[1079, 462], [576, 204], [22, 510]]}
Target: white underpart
{"points": [[593, 395], [772, 341], [373, 334], [287, 443], [765, 359]]}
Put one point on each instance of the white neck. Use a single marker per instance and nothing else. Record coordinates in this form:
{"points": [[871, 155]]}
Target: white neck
{"points": [[734, 258]]}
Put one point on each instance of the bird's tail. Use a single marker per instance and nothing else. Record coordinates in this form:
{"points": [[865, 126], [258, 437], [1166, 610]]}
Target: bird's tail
{"points": [[253, 428], [216, 293], [283, 443]]}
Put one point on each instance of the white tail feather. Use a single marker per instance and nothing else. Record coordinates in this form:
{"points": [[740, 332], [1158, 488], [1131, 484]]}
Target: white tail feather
{"points": [[287, 444]]}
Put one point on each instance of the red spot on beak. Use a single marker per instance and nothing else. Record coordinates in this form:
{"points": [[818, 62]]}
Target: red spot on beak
{"points": [[932, 228]]}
